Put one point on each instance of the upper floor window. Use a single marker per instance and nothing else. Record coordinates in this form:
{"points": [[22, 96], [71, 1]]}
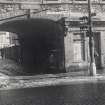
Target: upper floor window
{"points": [[51, 1], [80, 1]]}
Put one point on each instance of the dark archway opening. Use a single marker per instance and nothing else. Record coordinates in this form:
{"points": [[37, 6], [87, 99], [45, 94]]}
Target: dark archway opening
{"points": [[41, 45]]}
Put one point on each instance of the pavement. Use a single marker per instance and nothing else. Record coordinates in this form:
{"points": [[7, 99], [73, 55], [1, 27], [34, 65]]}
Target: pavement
{"points": [[15, 82], [10, 77]]}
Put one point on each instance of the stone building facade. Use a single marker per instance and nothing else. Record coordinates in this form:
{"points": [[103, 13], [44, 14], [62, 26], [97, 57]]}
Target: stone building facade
{"points": [[76, 42]]}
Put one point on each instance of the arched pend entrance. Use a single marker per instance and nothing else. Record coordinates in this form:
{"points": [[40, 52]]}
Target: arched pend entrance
{"points": [[41, 47]]}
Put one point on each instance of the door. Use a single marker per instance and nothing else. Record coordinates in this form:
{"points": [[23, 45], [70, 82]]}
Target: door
{"points": [[97, 47]]}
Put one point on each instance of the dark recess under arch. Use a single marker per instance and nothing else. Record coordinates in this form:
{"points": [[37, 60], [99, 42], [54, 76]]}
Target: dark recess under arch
{"points": [[41, 42]]}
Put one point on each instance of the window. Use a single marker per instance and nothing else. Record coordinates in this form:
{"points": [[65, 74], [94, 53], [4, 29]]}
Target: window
{"points": [[51, 1], [14, 40], [103, 0], [80, 1], [78, 46], [4, 39]]}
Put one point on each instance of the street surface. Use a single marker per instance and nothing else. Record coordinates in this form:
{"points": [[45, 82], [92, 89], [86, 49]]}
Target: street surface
{"points": [[73, 88], [72, 94]]}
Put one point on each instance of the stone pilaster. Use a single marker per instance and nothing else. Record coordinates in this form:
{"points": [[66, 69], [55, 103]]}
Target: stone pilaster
{"points": [[68, 50]]}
